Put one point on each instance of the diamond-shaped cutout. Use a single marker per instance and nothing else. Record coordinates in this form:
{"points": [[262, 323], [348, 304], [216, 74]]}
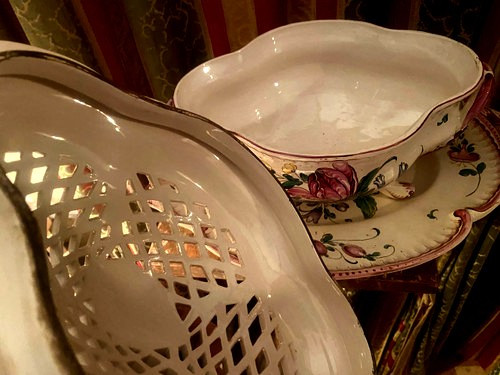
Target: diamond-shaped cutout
{"points": [[220, 277], [69, 245], [255, 330], [86, 239], [164, 227], [133, 248], [116, 253], [261, 362], [126, 228], [97, 211], [164, 352], [202, 293], [191, 250], [182, 290], [66, 171], [179, 208], [84, 190], [105, 231], [212, 325], [232, 327], [146, 181], [73, 216], [196, 340], [198, 273], [151, 361], [234, 256], [195, 324], [201, 210], [208, 231], [57, 195], [170, 247], [11, 156], [182, 310], [32, 200], [215, 347], [52, 255], [213, 252], [129, 187], [143, 227], [37, 155], [88, 170], [135, 207], [177, 269], [151, 247], [157, 266], [221, 367], [186, 229], [237, 352], [156, 206], [53, 225], [12, 175], [38, 174]]}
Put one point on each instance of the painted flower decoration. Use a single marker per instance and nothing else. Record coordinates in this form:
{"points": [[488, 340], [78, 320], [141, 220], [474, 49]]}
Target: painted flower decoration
{"points": [[354, 250], [335, 184], [463, 155], [320, 247]]}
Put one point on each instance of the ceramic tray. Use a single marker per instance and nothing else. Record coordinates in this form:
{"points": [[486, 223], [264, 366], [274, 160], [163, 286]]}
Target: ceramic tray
{"points": [[454, 187], [157, 252]]}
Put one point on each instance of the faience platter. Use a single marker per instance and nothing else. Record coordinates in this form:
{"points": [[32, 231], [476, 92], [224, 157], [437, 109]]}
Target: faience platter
{"points": [[455, 186]]}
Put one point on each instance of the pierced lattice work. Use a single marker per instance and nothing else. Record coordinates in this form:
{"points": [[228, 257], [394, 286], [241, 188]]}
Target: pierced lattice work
{"points": [[145, 279]]}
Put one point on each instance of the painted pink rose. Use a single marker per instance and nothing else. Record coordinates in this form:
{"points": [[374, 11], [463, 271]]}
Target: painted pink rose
{"points": [[334, 184], [354, 250]]}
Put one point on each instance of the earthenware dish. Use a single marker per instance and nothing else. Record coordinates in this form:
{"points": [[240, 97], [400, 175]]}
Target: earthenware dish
{"points": [[142, 240], [339, 109], [456, 186]]}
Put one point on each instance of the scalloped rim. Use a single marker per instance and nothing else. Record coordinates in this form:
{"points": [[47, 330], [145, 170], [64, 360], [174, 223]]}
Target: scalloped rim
{"points": [[465, 222], [481, 72]]}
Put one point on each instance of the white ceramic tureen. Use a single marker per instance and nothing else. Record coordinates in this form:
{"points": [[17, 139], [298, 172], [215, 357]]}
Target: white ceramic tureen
{"points": [[339, 109]]}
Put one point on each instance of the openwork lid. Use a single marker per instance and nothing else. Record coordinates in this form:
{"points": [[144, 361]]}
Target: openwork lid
{"points": [[168, 248]]}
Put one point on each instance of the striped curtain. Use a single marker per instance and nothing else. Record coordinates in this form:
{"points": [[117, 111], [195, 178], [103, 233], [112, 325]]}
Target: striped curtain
{"points": [[146, 46]]}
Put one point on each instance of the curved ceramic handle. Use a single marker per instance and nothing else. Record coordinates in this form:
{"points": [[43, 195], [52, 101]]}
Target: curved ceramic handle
{"points": [[483, 97]]}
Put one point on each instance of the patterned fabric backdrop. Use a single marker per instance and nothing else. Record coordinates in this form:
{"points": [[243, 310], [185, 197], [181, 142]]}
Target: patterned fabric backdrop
{"points": [[146, 46]]}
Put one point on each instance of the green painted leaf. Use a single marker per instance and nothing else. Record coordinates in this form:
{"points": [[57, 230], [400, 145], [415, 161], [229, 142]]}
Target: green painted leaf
{"points": [[288, 177], [331, 248], [290, 184], [375, 254], [328, 214], [367, 205], [326, 237], [470, 148], [370, 257], [467, 172], [304, 177], [366, 181], [481, 167]]}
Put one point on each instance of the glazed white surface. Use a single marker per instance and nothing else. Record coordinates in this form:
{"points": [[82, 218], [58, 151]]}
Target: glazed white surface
{"points": [[329, 88]]}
